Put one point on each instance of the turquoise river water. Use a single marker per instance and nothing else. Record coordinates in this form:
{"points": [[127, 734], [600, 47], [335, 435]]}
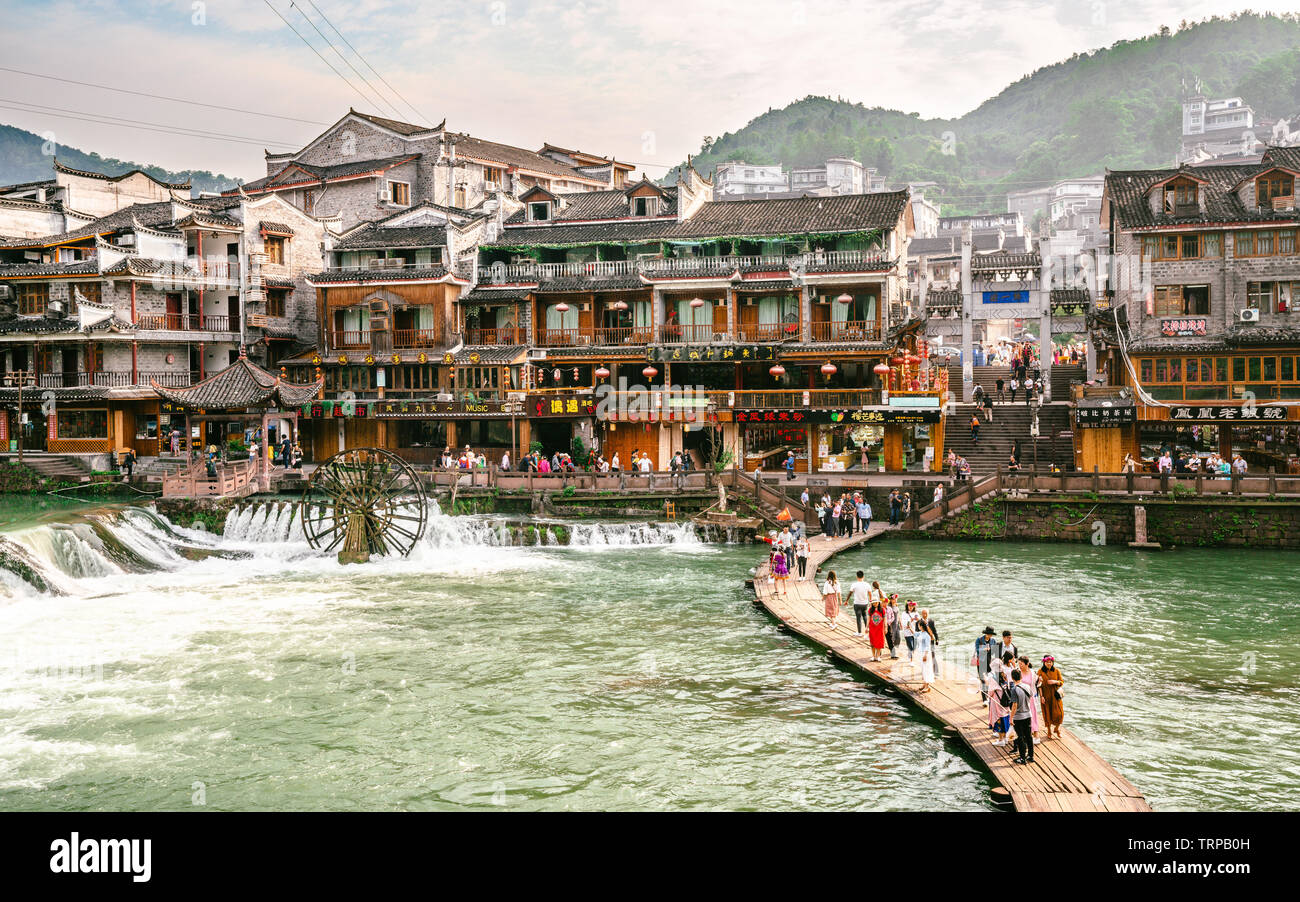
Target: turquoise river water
{"points": [[165, 668]]}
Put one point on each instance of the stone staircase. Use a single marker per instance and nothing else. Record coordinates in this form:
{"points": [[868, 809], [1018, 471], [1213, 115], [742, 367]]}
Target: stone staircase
{"points": [[1010, 424], [987, 377], [53, 466]]}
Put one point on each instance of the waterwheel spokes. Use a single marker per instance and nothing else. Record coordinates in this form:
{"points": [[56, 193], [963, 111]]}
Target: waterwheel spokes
{"points": [[376, 484]]}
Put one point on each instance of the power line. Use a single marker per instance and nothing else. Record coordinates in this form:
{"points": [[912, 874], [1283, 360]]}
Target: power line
{"points": [[347, 62], [195, 132], [99, 119], [317, 52], [212, 106], [367, 64]]}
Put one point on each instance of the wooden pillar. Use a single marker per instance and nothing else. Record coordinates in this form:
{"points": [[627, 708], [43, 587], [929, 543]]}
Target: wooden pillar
{"points": [[525, 436], [1225, 440], [893, 447], [936, 442], [451, 435]]}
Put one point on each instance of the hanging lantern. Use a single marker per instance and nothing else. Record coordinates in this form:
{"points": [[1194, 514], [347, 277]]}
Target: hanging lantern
{"points": [[649, 372], [602, 372], [896, 361], [619, 305], [777, 371], [828, 369], [555, 376], [845, 298], [912, 360], [561, 307], [697, 302], [881, 369]]}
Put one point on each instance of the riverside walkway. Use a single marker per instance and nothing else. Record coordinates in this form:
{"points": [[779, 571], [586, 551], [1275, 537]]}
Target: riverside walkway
{"points": [[1066, 775]]}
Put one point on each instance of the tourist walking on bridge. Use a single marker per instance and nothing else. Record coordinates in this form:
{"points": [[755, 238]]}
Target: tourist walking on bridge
{"points": [[860, 593], [831, 600], [907, 627], [801, 555], [780, 572], [893, 634], [1022, 707], [876, 625], [985, 655], [1050, 681], [925, 642], [1029, 682]]}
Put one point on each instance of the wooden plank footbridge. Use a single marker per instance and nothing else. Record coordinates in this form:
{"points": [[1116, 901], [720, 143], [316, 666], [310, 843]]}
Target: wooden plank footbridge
{"points": [[1066, 775]]}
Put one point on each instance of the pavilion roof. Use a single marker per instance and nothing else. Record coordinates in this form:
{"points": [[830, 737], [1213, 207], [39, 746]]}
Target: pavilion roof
{"points": [[242, 384]]}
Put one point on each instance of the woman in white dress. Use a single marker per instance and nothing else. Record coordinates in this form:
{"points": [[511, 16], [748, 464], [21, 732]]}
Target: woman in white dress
{"points": [[925, 648]]}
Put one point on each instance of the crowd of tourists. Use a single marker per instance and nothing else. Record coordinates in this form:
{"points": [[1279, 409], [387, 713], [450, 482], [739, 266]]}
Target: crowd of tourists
{"points": [[1214, 465], [885, 625], [1021, 703]]}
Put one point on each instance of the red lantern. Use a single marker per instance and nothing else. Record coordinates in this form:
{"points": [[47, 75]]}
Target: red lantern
{"points": [[649, 372], [896, 361], [619, 305], [562, 307], [912, 359], [697, 302], [828, 369], [602, 372], [777, 371], [845, 299], [881, 369]]}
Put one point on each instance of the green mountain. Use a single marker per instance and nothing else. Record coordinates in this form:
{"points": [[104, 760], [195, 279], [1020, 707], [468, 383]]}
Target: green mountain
{"points": [[1118, 107], [21, 160]]}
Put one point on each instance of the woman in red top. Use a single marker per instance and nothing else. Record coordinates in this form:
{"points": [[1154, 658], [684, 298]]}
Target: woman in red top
{"points": [[876, 628]]}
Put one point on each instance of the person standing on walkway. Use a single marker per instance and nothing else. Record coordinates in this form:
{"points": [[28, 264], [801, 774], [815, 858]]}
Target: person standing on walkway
{"points": [[801, 555], [926, 621], [836, 510], [1007, 647], [864, 513], [975, 428], [985, 654], [785, 542], [803, 497], [780, 571], [907, 628], [860, 593], [995, 681], [893, 633], [988, 408], [1029, 682], [1015, 386], [831, 600], [789, 466], [1050, 682], [895, 504], [1021, 719], [925, 650], [876, 626], [1001, 389]]}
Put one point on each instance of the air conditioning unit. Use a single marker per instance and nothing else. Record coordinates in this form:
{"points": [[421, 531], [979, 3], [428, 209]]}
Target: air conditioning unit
{"points": [[127, 240], [257, 258], [1250, 315], [378, 306], [446, 396], [586, 308], [378, 323], [536, 354], [385, 196]]}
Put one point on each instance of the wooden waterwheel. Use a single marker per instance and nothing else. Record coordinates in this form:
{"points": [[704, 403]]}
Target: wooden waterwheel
{"points": [[363, 502]]}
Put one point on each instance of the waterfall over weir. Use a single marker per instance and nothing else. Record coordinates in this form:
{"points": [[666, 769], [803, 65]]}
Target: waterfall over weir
{"points": [[72, 555]]}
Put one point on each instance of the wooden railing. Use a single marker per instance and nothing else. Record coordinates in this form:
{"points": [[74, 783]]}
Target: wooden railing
{"points": [[500, 273], [233, 479], [624, 335], [168, 379], [747, 399], [691, 334], [769, 331], [349, 340], [495, 337], [415, 338], [848, 330], [562, 338]]}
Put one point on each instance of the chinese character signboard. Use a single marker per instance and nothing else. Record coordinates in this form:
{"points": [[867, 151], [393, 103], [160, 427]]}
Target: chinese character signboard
{"points": [[559, 406], [867, 416], [1006, 297], [1182, 327], [1101, 417], [710, 353], [1249, 413]]}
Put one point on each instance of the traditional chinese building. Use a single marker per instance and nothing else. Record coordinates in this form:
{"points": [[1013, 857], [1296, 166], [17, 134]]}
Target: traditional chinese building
{"points": [[165, 292], [1206, 278]]}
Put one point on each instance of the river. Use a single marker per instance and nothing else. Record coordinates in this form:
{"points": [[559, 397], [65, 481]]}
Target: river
{"points": [[166, 668]]}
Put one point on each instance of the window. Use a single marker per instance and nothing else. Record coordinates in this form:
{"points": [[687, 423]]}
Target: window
{"points": [[1183, 246], [1169, 300], [82, 423], [1181, 300], [643, 206], [273, 247], [1275, 184], [275, 301], [308, 201], [399, 193], [33, 298], [1264, 244], [491, 175], [1180, 198], [1259, 295], [146, 427], [458, 199], [91, 291], [539, 212]]}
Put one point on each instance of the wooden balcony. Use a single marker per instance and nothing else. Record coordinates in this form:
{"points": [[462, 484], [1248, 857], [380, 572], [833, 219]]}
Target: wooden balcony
{"points": [[509, 273], [167, 379], [562, 338], [848, 330], [625, 335], [415, 338], [349, 340], [187, 322], [769, 331], [672, 333], [507, 336], [753, 399]]}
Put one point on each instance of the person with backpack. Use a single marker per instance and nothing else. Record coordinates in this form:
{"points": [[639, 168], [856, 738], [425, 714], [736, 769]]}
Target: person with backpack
{"points": [[985, 655], [995, 682], [789, 466], [975, 428], [1002, 389], [1022, 707]]}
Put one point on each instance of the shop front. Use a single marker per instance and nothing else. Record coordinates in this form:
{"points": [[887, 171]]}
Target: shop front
{"points": [[1266, 436]]}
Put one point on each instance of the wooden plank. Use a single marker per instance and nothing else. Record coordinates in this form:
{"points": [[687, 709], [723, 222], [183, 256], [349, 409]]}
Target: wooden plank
{"points": [[1066, 775]]}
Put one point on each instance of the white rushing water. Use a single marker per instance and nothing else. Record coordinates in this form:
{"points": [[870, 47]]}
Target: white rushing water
{"points": [[102, 546]]}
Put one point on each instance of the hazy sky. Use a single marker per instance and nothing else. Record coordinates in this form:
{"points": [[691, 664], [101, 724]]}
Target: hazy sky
{"points": [[641, 80]]}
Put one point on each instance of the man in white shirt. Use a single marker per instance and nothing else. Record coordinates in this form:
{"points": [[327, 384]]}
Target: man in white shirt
{"points": [[860, 592]]}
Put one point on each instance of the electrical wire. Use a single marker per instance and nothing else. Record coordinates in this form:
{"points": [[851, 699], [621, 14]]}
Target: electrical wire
{"points": [[139, 127], [396, 92], [317, 52], [383, 101]]}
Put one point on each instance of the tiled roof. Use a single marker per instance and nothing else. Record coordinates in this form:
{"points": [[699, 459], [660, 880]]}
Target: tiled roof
{"points": [[372, 236], [276, 228], [37, 325], [86, 393], [766, 285], [394, 125], [721, 219], [278, 282], [591, 283], [985, 262], [59, 167], [490, 353], [242, 384], [589, 205], [494, 296], [1126, 191], [79, 268], [380, 275], [149, 215], [209, 220], [492, 152], [943, 297], [295, 172]]}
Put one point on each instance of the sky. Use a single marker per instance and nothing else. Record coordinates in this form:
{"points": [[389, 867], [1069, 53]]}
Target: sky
{"points": [[642, 81]]}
